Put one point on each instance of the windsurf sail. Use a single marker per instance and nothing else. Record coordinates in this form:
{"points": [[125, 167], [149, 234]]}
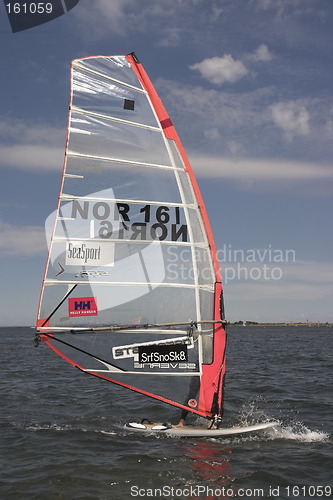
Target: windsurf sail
{"points": [[132, 290]]}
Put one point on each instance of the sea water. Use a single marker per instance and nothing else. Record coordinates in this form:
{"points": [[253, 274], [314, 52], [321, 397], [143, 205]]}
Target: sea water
{"points": [[62, 433]]}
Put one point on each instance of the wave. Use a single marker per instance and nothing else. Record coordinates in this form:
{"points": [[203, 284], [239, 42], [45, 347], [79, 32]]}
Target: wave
{"points": [[298, 432], [251, 414], [65, 428]]}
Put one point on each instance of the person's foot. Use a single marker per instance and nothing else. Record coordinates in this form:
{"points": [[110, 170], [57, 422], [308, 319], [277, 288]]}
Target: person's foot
{"points": [[181, 423]]}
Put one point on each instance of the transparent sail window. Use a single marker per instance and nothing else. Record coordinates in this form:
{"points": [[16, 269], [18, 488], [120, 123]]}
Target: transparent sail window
{"points": [[117, 304], [132, 182], [83, 261], [100, 137], [97, 95], [111, 67], [105, 219], [187, 188]]}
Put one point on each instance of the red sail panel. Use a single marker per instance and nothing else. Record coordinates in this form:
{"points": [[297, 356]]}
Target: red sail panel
{"points": [[212, 379]]}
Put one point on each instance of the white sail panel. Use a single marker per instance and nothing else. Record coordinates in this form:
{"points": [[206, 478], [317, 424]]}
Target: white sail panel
{"points": [[116, 68], [100, 96], [105, 138], [129, 181], [125, 233], [131, 254]]}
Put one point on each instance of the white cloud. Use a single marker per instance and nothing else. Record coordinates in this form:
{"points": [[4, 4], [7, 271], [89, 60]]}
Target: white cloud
{"points": [[226, 69], [276, 290], [262, 54], [16, 130], [253, 123], [295, 281], [164, 19], [292, 117], [171, 37], [213, 134], [31, 157], [261, 170], [23, 241], [105, 16], [31, 146], [200, 109], [168, 23], [291, 269], [310, 271], [303, 290], [211, 108], [219, 70]]}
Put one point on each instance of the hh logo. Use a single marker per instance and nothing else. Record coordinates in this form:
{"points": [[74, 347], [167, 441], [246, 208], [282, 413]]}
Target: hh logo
{"points": [[82, 306]]}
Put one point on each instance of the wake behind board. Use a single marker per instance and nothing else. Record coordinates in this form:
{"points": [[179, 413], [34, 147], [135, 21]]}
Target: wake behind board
{"points": [[190, 431]]}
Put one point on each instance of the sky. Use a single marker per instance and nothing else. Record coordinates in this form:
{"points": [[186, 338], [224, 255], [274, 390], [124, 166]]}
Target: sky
{"points": [[248, 86]]}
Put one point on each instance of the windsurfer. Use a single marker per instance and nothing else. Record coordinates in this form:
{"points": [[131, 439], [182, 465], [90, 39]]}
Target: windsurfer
{"points": [[181, 423], [191, 402], [182, 418]]}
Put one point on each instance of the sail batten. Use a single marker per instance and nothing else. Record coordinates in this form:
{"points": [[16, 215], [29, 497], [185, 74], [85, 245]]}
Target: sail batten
{"points": [[49, 281], [132, 270], [66, 196], [198, 245], [115, 119], [120, 160], [164, 374]]}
